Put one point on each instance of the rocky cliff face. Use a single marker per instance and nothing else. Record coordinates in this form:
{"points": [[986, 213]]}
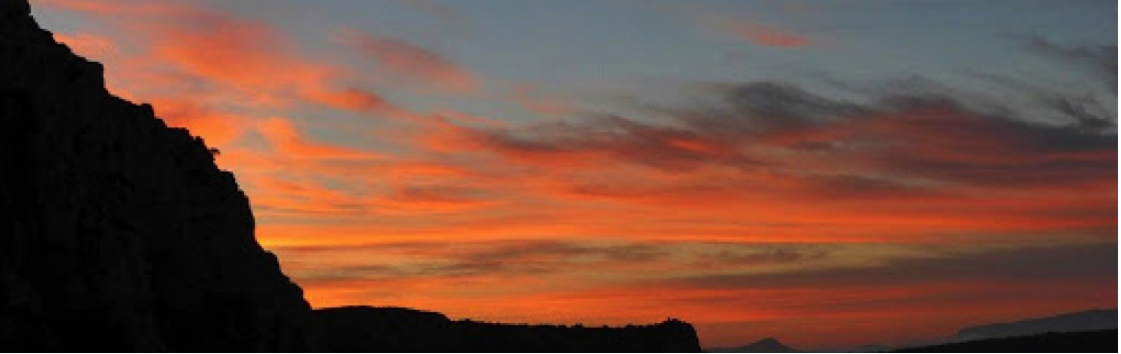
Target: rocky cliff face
{"points": [[119, 233], [369, 329]]}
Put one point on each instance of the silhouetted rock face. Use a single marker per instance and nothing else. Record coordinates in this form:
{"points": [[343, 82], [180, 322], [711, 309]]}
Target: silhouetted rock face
{"points": [[119, 233], [367, 329]]}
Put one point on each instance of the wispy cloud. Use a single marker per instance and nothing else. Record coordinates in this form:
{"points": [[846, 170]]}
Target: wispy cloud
{"points": [[445, 16], [1099, 60], [530, 98], [95, 46], [190, 56], [411, 62], [752, 31]]}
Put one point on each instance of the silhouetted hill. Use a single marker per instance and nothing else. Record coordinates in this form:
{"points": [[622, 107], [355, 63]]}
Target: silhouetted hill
{"points": [[120, 233], [766, 345], [369, 329], [1089, 320], [1104, 341]]}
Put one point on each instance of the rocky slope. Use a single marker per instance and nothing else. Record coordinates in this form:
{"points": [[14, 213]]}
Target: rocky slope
{"points": [[369, 329], [120, 233]]}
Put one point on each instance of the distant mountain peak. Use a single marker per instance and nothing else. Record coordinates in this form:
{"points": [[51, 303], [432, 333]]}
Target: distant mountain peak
{"points": [[765, 345]]}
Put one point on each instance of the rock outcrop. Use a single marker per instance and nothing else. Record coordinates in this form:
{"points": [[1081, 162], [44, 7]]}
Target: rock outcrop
{"points": [[119, 233], [369, 329]]}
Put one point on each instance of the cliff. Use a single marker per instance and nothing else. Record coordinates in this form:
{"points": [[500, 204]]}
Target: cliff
{"points": [[120, 233], [370, 329]]}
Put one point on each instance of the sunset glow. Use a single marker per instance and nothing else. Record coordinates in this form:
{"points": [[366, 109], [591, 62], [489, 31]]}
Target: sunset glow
{"points": [[828, 173]]}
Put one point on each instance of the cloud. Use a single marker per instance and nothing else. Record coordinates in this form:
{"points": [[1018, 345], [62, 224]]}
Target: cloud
{"points": [[219, 128], [525, 258], [450, 19], [764, 161], [353, 99], [528, 96], [219, 60], [893, 140], [736, 256], [89, 45], [1079, 262], [1099, 60], [409, 61], [289, 142], [113, 7], [753, 32]]}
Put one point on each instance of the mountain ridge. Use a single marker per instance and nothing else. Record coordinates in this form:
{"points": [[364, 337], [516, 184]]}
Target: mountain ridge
{"points": [[1086, 320]]}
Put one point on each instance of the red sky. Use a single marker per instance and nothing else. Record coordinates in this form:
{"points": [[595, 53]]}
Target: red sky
{"points": [[384, 172]]}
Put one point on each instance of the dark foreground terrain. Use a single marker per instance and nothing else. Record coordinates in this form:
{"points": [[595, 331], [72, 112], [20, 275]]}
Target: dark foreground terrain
{"points": [[367, 329], [1082, 321], [121, 234], [1103, 341]]}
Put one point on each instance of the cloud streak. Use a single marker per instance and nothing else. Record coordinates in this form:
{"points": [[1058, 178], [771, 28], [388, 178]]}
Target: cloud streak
{"points": [[1100, 60], [409, 61], [752, 31]]}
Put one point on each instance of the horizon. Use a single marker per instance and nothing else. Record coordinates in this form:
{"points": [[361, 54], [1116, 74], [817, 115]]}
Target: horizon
{"points": [[826, 174]]}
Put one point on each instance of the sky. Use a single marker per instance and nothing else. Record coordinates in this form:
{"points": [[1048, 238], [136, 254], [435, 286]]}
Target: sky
{"points": [[827, 173]]}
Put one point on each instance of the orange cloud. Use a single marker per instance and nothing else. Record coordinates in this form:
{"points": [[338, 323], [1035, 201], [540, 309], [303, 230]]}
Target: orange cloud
{"points": [[754, 32], [219, 129], [289, 143], [89, 45], [528, 97], [409, 61], [353, 99], [762, 35], [243, 55], [112, 7], [213, 55]]}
